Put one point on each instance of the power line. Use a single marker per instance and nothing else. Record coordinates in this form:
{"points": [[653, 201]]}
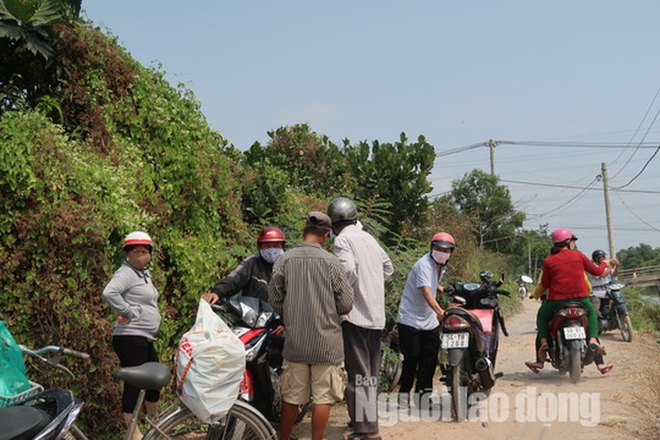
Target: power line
{"points": [[566, 205], [576, 144], [638, 217], [635, 134], [640, 171], [555, 185], [461, 149]]}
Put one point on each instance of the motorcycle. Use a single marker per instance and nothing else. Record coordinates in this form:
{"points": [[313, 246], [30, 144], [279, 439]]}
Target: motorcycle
{"points": [[39, 414], [569, 350], [470, 334], [522, 285], [253, 322], [614, 311]]}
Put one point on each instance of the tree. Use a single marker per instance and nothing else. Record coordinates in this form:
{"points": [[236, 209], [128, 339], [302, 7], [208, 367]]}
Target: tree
{"points": [[28, 37], [480, 196], [396, 173], [29, 23], [313, 163], [639, 256], [528, 250]]}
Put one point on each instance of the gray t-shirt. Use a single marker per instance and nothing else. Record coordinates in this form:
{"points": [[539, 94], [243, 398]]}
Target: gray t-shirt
{"points": [[131, 293]]}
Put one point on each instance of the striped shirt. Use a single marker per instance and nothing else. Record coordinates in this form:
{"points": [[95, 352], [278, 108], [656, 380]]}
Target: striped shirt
{"points": [[367, 267], [309, 289]]}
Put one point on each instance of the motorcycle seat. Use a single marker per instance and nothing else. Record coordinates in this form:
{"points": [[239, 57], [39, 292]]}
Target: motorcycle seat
{"points": [[485, 317], [22, 422]]}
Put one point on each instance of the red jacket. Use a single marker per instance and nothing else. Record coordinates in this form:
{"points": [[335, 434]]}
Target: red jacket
{"points": [[563, 274]]}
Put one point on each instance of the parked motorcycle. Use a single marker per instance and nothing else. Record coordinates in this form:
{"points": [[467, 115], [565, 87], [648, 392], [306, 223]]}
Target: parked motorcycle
{"points": [[39, 414], [253, 321], [569, 350], [523, 281], [614, 311], [470, 334]]}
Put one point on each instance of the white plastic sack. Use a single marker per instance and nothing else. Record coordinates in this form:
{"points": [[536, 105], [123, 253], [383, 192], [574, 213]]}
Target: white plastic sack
{"points": [[209, 365]]}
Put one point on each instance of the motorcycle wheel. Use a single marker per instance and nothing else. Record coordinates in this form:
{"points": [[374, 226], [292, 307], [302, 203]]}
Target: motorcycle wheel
{"points": [[626, 328], [459, 391], [575, 368]]}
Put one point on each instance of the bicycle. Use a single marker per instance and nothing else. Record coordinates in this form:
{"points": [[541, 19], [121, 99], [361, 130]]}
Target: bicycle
{"points": [[177, 422]]}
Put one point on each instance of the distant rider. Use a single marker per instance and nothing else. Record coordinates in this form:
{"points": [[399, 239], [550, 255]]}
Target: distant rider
{"points": [[598, 283]]}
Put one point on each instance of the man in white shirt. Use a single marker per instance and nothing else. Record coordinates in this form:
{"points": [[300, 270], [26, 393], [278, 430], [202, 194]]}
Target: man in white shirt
{"points": [[418, 321], [598, 291], [367, 267]]}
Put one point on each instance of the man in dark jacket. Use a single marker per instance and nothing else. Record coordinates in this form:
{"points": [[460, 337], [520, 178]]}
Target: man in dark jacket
{"points": [[251, 277]]}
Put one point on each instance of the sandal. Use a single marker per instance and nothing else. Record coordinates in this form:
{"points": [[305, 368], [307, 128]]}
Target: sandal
{"points": [[604, 368], [358, 436], [535, 366]]}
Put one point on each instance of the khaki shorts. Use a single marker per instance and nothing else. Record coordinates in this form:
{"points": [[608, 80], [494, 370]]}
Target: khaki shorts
{"points": [[323, 383]]}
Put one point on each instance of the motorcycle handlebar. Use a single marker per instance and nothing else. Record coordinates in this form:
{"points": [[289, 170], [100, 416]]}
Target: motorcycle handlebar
{"points": [[220, 307], [503, 292]]}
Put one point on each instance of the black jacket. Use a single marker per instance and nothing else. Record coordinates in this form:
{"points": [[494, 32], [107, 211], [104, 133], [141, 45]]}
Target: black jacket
{"points": [[251, 277]]}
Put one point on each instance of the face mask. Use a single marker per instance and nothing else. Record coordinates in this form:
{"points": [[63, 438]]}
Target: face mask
{"points": [[440, 257], [271, 254]]}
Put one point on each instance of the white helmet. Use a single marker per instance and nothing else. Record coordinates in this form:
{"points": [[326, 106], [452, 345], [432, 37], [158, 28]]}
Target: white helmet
{"points": [[138, 238]]}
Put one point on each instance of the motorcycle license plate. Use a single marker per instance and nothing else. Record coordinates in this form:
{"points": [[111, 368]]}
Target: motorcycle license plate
{"points": [[574, 333], [455, 340]]}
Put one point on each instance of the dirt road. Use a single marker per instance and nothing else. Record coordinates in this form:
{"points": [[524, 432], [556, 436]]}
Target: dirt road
{"points": [[625, 404]]}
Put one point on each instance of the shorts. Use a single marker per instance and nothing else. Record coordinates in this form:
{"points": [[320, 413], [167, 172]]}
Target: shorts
{"points": [[323, 383]]}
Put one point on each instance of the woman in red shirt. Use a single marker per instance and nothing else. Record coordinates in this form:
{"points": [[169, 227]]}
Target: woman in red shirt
{"points": [[563, 276]]}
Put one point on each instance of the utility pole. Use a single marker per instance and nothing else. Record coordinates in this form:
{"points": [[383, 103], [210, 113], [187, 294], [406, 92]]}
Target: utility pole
{"points": [[491, 145], [608, 214]]}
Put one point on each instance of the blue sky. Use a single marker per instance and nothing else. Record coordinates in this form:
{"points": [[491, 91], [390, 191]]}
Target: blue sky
{"points": [[458, 73]]}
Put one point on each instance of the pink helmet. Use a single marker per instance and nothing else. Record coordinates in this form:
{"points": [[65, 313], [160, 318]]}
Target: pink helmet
{"points": [[442, 239], [562, 234]]}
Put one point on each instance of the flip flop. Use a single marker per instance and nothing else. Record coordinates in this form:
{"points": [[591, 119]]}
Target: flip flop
{"points": [[535, 366], [604, 368]]}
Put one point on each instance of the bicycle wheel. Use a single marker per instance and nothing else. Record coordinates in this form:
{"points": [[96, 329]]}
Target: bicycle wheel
{"points": [[242, 422]]}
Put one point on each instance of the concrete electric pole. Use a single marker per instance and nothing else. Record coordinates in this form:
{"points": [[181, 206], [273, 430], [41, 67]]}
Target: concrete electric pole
{"points": [[608, 214]]}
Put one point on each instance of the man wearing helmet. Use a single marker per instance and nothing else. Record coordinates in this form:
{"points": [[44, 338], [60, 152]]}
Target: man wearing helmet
{"points": [[418, 321], [132, 295], [563, 276], [598, 283], [367, 267], [252, 276]]}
